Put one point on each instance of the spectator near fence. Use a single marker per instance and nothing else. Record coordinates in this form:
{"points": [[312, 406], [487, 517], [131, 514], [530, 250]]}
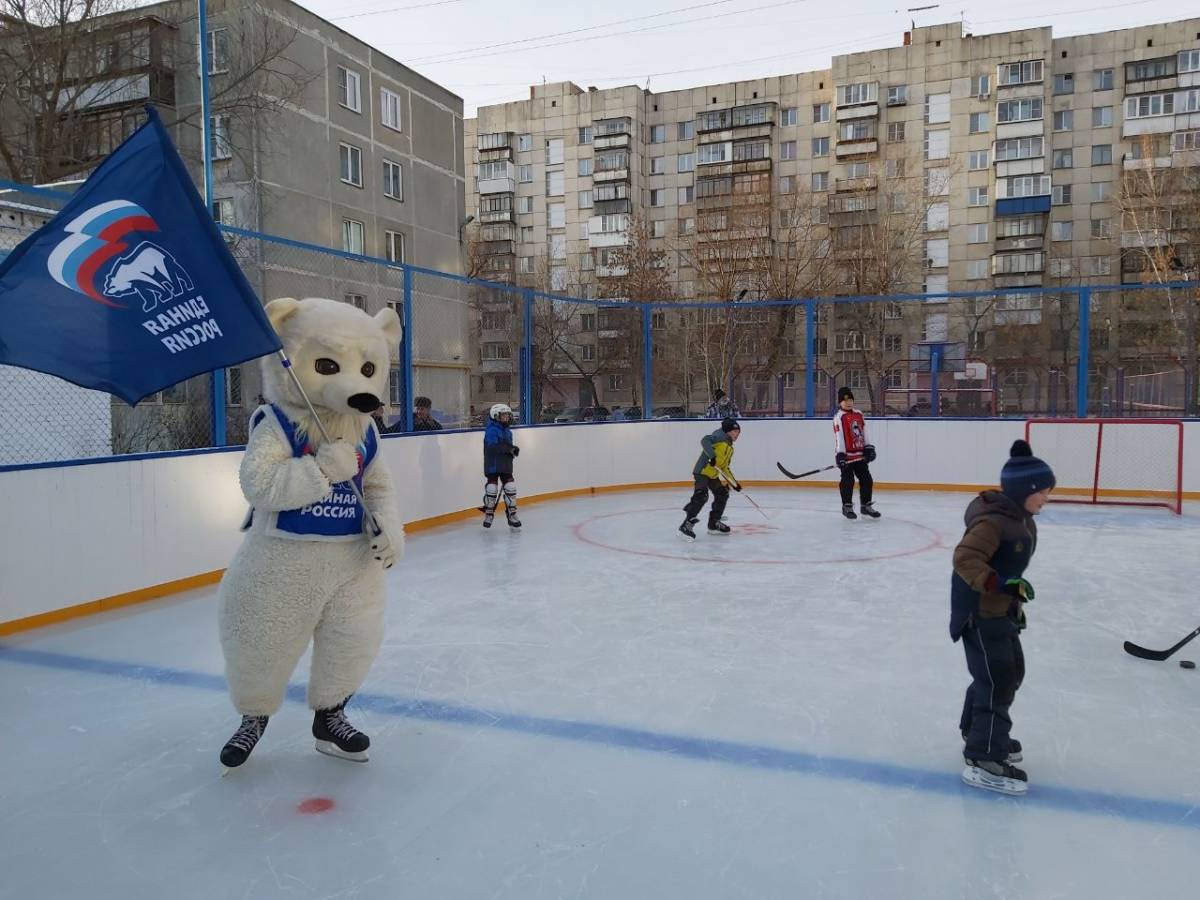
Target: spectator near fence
{"points": [[722, 407], [422, 420]]}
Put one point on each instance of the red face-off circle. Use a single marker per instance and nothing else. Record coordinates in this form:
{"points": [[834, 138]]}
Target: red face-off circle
{"points": [[314, 806]]}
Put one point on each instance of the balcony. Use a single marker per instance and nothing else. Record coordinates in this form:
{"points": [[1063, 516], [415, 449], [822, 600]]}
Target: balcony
{"points": [[611, 142], [1023, 206], [497, 216], [611, 271], [862, 111], [1023, 242], [1149, 237], [500, 154], [862, 183], [846, 149], [750, 166], [605, 176], [497, 178], [1129, 164], [612, 207], [1018, 263]]}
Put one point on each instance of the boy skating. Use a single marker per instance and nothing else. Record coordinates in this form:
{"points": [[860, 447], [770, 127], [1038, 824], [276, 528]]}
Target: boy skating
{"points": [[715, 456], [499, 451], [853, 455]]}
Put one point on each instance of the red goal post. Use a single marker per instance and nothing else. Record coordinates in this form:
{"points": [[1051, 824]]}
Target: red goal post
{"points": [[1123, 462]]}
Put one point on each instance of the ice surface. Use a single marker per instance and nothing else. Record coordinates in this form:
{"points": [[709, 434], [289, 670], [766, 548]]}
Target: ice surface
{"points": [[594, 708]]}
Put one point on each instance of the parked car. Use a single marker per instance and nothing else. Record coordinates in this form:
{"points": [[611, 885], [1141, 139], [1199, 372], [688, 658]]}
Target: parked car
{"points": [[583, 414], [670, 412]]}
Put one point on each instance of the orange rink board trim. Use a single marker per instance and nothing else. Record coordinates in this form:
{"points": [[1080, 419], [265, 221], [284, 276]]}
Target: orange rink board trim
{"points": [[143, 595]]}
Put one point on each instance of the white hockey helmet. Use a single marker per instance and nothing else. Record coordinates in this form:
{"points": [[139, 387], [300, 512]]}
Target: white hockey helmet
{"points": [[499, 409]]}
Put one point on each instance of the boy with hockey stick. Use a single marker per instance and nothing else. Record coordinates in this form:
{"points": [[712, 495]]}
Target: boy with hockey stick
{"points": [[988, 593], [853, 455], [499, 451], [716, 454]]}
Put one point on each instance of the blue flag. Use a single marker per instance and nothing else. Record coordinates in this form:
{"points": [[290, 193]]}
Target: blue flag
{"points": [[130, 288]]}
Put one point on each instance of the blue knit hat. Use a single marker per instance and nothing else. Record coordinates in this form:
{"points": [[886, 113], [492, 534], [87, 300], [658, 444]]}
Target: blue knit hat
{"points": [[1024, 474]]}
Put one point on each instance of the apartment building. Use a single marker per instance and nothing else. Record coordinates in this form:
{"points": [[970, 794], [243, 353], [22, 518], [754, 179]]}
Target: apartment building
{"points": [[317, 137], [1018, 143]]}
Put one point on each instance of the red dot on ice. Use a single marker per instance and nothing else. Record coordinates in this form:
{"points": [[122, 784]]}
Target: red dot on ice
{"points": [[314, 806]]}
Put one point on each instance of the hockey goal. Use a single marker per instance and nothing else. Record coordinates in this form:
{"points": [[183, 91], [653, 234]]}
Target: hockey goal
{"points": [[1136, 462]]}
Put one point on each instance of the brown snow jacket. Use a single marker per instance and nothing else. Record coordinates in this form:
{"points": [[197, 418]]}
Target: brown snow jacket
{"points": [[998, 545]]}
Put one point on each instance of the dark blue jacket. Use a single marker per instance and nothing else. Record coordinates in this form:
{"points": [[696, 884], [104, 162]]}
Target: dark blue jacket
{"points": [[998, 545], [498, 449]]}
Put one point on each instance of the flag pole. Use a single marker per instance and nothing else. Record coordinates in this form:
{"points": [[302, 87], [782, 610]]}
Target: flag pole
{"points": [[217, 394]]}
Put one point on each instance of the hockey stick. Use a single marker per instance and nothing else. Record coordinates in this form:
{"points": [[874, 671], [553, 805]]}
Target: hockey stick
{"points": [[803, 474], [1143, 653], [732, 480]]}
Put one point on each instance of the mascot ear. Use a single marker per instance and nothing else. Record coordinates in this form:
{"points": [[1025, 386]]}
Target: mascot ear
{"points": [[279, 311], [389, 323]]}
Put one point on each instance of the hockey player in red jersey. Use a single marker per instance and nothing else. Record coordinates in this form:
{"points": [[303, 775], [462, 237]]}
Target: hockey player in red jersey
{"points": [[853, 454]]}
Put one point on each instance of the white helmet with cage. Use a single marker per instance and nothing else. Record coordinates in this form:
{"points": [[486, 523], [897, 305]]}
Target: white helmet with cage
{"points": [[499, 409]]}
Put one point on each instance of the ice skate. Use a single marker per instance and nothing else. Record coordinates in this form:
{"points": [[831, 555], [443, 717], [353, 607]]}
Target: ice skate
{"points": [[718, 527], [995, 776], [488, 517], [686, 529], [337, 737], [1014, 750], [511, 513], [848, 511], [868, 509], [237, 748]]}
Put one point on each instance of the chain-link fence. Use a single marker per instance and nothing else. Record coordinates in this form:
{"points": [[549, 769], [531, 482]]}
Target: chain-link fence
{"points": [[1127, 350]]}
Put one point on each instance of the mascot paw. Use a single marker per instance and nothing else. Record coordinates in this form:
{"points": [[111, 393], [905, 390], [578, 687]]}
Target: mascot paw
{"points": [[384, 550], [338, 461]]}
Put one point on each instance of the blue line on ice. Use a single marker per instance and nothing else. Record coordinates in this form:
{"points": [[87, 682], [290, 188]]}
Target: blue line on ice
{"points": [[1045, 796]]}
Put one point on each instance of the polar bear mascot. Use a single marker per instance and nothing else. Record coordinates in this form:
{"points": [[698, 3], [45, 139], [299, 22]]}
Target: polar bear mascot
{"points": [[311, 567]]}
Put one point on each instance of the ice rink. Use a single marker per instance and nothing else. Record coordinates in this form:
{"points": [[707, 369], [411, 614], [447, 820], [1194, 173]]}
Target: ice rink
{"points": [[594, 708]]}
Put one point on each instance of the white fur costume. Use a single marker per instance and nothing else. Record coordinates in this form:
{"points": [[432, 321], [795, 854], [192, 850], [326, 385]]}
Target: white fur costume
{"points": [[280, 592]]}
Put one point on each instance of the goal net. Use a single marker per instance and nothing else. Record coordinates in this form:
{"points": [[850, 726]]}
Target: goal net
{"points": [[1113, 461]]}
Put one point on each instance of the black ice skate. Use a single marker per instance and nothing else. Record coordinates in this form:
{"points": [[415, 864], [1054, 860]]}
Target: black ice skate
{"points": [[487, 519], [237, 748], [995, 776], [718, 527], [848, 511], [686, 529], [337, 737], [1014, 751], [511, 513], [868, 509]]}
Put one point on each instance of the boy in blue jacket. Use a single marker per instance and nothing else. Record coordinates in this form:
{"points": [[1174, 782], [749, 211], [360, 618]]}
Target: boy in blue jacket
{"points": [[499, 451]]}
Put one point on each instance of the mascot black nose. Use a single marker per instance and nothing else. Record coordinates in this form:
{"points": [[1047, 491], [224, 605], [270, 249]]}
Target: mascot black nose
{"points": [[364, 403]]}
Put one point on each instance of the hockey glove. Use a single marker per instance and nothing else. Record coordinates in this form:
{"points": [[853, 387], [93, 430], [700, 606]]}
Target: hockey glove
{"points": [[869, 453], [840, 460], [737, 487], [1019, 588]]}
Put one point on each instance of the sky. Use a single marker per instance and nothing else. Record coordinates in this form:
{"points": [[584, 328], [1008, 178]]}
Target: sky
{"points": [[491, 51]]}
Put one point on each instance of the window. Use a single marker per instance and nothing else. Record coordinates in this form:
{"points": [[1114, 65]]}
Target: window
{"points": [[895, 132], [525, 174], [525, 265], [977, 269], [1010, 227], [1101, 191], [585, 134], [1147, 105], [1019, 148], [1187, 140], [1024, 186], [1063, 159], [525, 205], [937, 108], [526, 234], [353, 236], [1189, 61], [525, 142], [218, 51], [587, 353], [587, 321], [1102, 154], [358, 301], [893, 311], [937, 217], [395, 386], [978, 159], [820, 181], [389, 109], [687, 226], [1061, 195], [349, 84], [554, 151], [713, 153], [685, 131], [1102, 80], [977, 196], [233, 386], [937, 253], [1064, 120], [820, 146], [351, 162], [584, 200], [658, 229], [981, 85], [789, 115], [222, 146], [1101, 116], [893, 168], [1101, 229], [393, 180], [1023, 110], [1062, 231], [892, 343], [897, 95], [555, 183], [685, 195], [1187, 101], [222, 211], [585, 166], [1097, 265], [556, 215], [978, 123], [937, 182], [496, 350], [820, 113], [977, 234], [558, 246], [1064, 84], [787, 150], [854, 94], [658, 165], [858, 130], [937, 144], [1027, 72], [658, 134], [819, 215], [658, 197], [787, 184], [848, 340], [685, 162], [583, 230], [393, 246], [1149, 68]]}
